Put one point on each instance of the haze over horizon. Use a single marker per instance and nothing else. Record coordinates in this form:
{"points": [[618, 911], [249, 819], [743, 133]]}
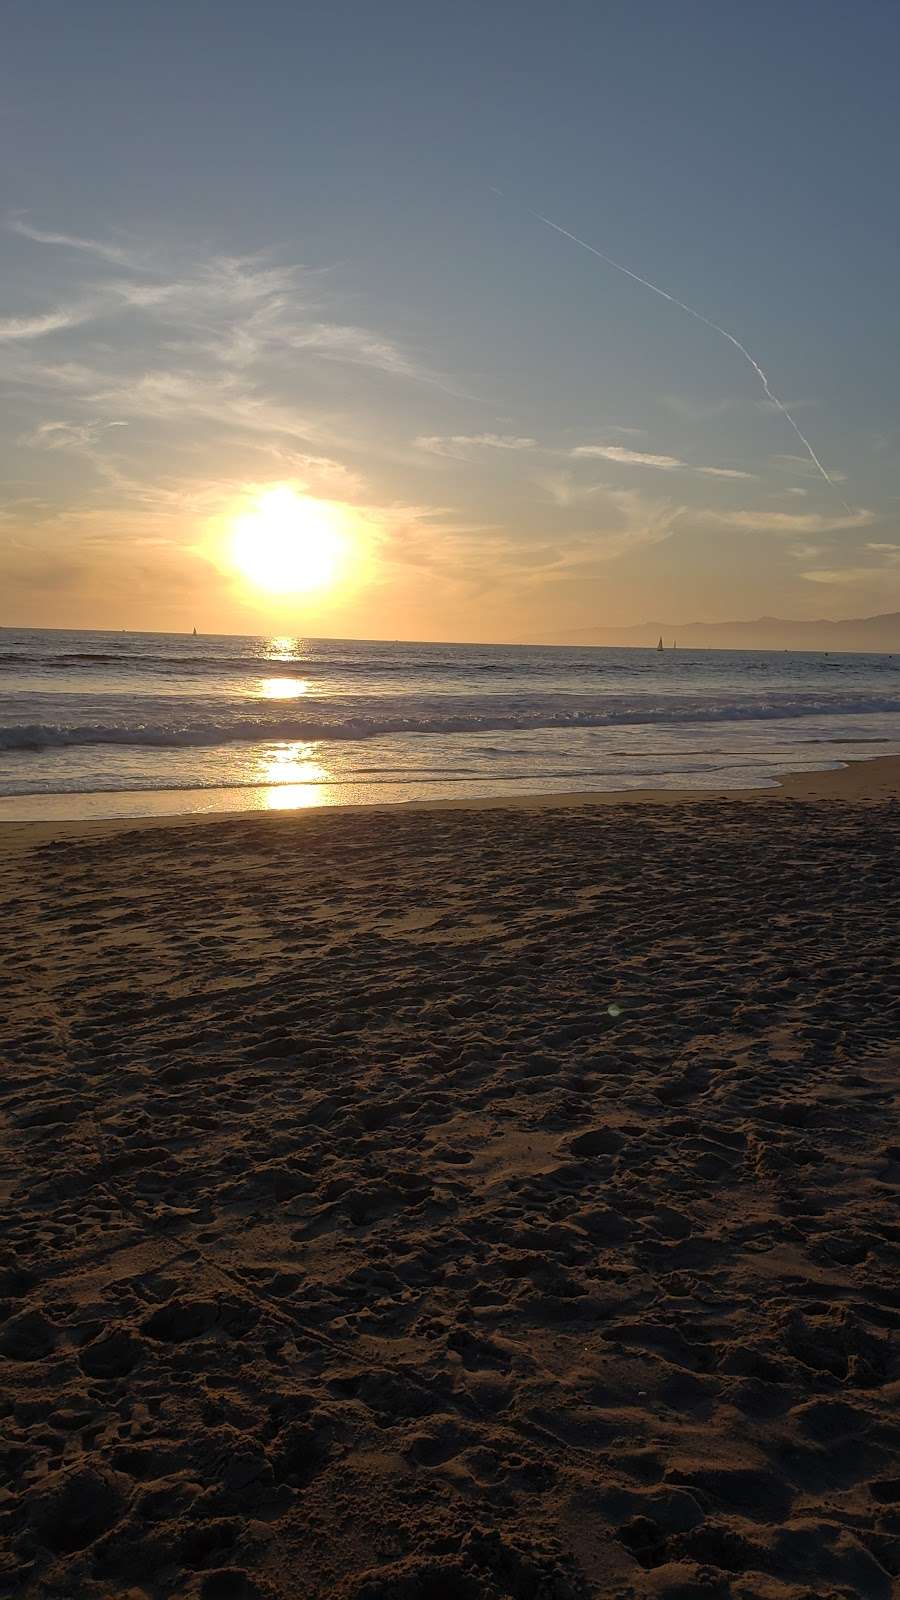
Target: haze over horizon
{"points": [[277, 355]]}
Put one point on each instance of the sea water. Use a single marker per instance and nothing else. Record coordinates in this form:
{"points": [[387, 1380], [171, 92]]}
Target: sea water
{"points": [[119, 724]]}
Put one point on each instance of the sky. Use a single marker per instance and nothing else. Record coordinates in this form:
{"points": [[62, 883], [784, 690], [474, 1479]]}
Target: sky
{"points": [[292, 256]]}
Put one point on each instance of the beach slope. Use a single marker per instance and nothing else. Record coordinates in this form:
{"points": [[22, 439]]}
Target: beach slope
{"points": [[478, 1203]]}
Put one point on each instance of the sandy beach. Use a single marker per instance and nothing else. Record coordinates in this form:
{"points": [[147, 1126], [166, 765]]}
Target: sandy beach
{"points": [[455, 1203]]}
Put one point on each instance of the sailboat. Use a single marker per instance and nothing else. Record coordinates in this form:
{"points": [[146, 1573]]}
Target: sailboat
{"points": [[194, 634], [660, 645]]}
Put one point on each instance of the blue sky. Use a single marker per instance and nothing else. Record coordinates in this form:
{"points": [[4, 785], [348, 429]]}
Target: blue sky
{"points": [[248, 246]]}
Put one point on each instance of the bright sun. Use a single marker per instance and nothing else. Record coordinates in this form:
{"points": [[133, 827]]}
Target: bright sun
{"points": [[289, 543]]}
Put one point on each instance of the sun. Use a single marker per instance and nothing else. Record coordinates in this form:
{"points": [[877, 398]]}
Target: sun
{"points": [[289, 543]]}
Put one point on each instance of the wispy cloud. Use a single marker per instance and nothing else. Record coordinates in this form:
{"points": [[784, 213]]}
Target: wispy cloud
{"points": [[694, 410], [452, 444], [339, 342], [71, 241], [804, 465], [168, 396], [475, 558], [564, 489], [233, 309], [628, 458], [45, 322], [841, 575], [623, 457], [194, 349], [208, 376], [637, 520], [788, 522], [67, 435]]}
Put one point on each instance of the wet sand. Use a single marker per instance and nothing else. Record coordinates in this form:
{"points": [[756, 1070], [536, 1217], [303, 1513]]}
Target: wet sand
{"points": [[877, 779], [484, 1202]]}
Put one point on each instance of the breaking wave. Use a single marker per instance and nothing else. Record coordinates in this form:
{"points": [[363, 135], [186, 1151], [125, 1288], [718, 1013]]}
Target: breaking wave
{"points": [[674, 711]]}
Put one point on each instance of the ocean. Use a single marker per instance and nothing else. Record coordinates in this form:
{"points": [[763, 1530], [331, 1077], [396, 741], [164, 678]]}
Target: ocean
{"points": [[132, 724]]}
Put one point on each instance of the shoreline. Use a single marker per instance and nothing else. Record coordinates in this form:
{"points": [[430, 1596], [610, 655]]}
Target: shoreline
{"points": [[872, 780]]}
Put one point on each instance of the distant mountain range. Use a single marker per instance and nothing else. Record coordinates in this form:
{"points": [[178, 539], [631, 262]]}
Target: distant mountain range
{"points": [[881, 634]]}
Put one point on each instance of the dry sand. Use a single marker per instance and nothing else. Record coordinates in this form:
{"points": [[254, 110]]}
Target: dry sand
{"points": [[455, 1204]]}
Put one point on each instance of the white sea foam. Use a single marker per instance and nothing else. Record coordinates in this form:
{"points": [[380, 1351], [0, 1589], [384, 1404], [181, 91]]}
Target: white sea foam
{"points": [[166, 730]]}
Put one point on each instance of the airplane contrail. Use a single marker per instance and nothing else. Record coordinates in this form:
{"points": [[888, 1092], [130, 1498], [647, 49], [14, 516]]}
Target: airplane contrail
{"points": [[708, 323]]}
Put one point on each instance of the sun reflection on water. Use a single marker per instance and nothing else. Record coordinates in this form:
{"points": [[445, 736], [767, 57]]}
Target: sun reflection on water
{"points": [[283, 688], [283, 648], [296, 777]]}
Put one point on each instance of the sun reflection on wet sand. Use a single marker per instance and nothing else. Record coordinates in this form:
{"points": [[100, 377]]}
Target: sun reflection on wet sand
{"points": [[296, 796]]}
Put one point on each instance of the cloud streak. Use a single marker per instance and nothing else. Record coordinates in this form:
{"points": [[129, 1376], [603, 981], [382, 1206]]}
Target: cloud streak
{"points": [[839, 575], [449, 444], [623, 457], [71, 241], [628, 458], [37, 327], [789, 522]]}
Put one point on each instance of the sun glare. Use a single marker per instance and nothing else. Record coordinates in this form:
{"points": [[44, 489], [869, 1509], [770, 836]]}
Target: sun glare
{"points": [[288, 543]]}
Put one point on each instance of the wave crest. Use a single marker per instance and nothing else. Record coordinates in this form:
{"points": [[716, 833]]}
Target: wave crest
{"points": [[260, 730]]}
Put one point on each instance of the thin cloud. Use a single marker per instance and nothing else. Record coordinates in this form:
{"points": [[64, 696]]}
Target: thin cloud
{"points": [[617, 427], [697, 411], [628, 458], [447, 444], [148, 296], [340, 342], [803, 464], [168, 395], [480, 557], [13, 328], [86, 439], [219, 341], [790, 522], [316, 474], [238, 309], [837, 575], [71, 241], [233, 309], [623, 457], [636, 521], [67, 435], [563, 489]]}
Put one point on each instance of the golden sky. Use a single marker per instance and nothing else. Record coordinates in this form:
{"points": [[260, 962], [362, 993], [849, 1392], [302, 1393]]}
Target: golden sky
{"points": [[244, 444]]}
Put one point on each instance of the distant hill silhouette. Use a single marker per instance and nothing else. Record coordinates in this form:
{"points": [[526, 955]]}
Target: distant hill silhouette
{"points": [[881, 634]]}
